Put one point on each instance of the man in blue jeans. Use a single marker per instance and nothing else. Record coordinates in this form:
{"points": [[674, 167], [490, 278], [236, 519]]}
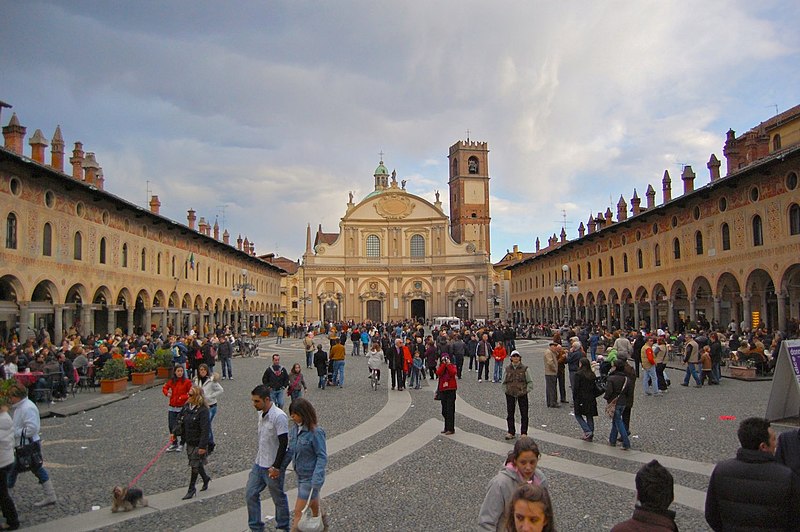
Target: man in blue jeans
{"points": [[276, 379], [692, 359], [269, 469]]}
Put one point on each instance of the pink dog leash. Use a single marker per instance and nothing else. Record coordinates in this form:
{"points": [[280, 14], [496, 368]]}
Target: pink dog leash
{"points": [[148, 466]]}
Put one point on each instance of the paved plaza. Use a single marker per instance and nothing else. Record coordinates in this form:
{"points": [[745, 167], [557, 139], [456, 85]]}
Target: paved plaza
{"points": [[389, 467]]}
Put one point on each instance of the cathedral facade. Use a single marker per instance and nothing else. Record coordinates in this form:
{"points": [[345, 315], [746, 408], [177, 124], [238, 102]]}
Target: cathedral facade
{"points": [[398, 256]]}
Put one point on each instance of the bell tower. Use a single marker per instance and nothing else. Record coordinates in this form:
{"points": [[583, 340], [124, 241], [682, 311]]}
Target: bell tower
{"points": [[469, 194]]}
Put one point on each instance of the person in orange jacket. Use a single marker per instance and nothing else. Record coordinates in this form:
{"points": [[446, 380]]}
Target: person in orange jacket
{"points": [[499, 355], [177, 389]]}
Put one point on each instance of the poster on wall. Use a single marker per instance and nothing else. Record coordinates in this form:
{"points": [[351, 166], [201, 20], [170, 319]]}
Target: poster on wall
{"points": [[784, 398]]}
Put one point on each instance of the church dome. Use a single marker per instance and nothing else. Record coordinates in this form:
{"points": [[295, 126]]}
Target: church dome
{"points": [[381, 170]]}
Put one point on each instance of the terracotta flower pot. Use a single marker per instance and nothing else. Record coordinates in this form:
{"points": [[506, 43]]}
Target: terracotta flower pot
{"points": [[163, 373], [143, 378], [742, 372], [113, 385]]}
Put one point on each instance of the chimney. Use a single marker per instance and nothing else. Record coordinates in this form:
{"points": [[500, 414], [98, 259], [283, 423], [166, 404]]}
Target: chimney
{"points": [[591, 225], [191, 218], [666, 187], [38, 143], [100, 179], [713, 167], [239, 243], [731, 151], [201, 225], [308, 238], [609, 216], [599, 221], [216, 229], [636, 203], [563, 235], [57, 151], [226, 237], [246, 245], [516, 249], [90, 168], [581, 230], [651, 197], [688, 179], [77, 161], [253, 249], [622, 210], [14, 134], [155, 205]]}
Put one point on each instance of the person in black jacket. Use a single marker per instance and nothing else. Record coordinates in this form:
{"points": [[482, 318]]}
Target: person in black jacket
{"points": [[194, 429], [616, 388], [753, 491], [321, 363], [788, 450], [276, 378]]}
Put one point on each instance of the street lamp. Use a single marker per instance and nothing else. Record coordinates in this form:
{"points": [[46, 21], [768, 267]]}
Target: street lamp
{"points": [[493, 301], [244, 289], [562, 286]]}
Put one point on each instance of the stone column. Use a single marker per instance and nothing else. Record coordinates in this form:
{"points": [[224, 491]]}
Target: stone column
{"points": [[24, 320], [87, 320], [671, 314], [200, 322], [608, 315], [717, 300], [781, 325], [636, 316], [228, 316], [111, 317], [148, 320], [58, 314], [653, 314], [165, 322], [747, 317], [130, 320], [693, 309]]}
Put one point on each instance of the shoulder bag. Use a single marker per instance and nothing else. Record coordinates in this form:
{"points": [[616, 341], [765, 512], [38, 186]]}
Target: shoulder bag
{"points": [[309, 523], [611, 407], [28, 454]]}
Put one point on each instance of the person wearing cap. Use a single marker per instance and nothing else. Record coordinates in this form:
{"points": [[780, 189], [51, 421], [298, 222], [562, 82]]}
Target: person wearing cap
{"points": [[446, 389], [517, 382]]}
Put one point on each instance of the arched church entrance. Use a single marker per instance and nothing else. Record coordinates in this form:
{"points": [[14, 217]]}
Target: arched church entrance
{"points": [[331, 310], [417, 309], [462, 309], [375, 310]]}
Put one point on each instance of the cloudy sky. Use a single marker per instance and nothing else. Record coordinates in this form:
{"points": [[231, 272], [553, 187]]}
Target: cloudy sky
{"points": [[270, 112]]}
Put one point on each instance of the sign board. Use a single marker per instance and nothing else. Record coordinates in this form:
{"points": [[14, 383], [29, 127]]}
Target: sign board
{"points": [[784, 398]]}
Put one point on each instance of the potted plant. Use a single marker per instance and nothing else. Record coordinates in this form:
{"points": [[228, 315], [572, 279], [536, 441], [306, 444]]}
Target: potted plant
{"points": [[113, 376], [144, 369], [163, 361], [743, 369]]}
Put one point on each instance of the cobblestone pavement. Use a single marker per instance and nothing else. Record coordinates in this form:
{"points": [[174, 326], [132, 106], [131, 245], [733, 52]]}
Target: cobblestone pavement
{"points": [[437, 486]]}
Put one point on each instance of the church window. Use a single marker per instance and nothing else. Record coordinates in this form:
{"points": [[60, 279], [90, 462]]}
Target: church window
{"points": [[373, 246], [657, 255], [102, 250], [640, 258], [611, 265], [625, 263], [47, 240], [776, 142], [698, 242], [11, 231], [144, 260], [794, 219], [417, 246], [77, 246], [124, 255], [758, 233], [455, 166], [472, 163], [726, 237]]}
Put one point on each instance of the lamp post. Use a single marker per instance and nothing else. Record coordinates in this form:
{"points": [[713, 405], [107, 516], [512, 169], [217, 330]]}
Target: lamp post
{"points": [[562, 286], [244, 289], [493, 301]]}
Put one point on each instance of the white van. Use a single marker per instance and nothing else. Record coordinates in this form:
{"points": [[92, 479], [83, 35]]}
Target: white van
{"points": [[450, 321]]}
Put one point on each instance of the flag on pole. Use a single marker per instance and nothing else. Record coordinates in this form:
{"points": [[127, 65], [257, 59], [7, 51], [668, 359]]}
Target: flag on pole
{"points": [[191, 261]]}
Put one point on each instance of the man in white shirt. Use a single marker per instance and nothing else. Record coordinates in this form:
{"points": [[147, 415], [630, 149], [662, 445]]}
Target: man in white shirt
{"points": [[269, 469]]}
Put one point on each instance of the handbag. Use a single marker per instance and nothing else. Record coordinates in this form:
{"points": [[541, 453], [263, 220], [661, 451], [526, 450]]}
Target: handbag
{"points": [[28, 454], [599, 386], [307, 522], [437, 396], [611, 407]]}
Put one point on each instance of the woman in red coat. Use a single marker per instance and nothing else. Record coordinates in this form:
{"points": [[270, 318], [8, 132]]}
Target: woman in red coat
{"points": [[177, 389], [447, 393]]}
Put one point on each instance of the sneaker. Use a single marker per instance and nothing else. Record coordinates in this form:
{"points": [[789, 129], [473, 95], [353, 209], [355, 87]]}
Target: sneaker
{"points": [[179, 448], [479, 380], [510, 436]]}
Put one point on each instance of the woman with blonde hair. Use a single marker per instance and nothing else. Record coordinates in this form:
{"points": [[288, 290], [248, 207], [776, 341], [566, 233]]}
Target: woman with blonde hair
{"points": [[193, 427], [212, 389]]}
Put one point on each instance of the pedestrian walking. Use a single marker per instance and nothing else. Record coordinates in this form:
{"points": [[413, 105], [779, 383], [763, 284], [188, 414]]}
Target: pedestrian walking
{"points": [[484, 352], [212, 389], [225, 354], [193, 426], [519, 469], [279, 335], [517, 382], [297, 384], [276, 378], [691, 358], [337, 357], [321, 363], [310, 456], [585, 398], [177, 389], [615, 393], [448, 383], [25, 415], [649, 373], [308, 343], [355, 337], [6, 463], [551, 374], [499, 354], [269, 469]]}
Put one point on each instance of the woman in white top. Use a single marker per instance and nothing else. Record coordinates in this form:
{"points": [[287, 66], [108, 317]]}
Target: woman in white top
{"points": [[6, 461], [375, 360], [10, 366], [211, 390]]}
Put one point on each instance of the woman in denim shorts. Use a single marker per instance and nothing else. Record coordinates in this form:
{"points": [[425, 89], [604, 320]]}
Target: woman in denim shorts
{"points": [[310, 456]]}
